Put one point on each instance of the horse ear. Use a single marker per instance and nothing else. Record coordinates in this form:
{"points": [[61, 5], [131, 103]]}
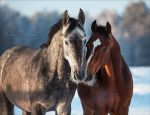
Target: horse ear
{"points": [[65, 18], [108, 28], [81, 17], [94, 26]]}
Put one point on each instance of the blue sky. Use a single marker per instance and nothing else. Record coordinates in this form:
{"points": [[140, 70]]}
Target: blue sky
{"points": [[29, 7]]}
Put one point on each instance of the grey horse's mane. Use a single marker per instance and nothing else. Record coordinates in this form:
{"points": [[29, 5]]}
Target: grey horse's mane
{"points": [[54, 29], [58, 26]]}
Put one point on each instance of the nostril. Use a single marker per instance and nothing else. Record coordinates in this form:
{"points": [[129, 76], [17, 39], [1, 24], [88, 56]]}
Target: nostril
{"points": [[75, 75], [89, 78], [84, 41], [75, 72], [66, 42], [79, 75]]}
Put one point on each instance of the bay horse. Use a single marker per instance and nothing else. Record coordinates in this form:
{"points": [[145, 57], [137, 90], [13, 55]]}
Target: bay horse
{"points": [[38, 81], [111, 88]]}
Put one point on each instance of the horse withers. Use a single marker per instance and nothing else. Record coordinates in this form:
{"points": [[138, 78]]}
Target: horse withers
{"points": [[111, 87], [41, 80]]}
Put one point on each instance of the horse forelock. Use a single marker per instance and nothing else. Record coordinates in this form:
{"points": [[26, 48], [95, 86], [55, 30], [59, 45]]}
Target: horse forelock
{"points": [[96, 43], [74, 26], [101, 31]]}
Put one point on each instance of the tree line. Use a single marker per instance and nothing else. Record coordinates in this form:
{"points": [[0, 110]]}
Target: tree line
{"points": [[132, 30]]}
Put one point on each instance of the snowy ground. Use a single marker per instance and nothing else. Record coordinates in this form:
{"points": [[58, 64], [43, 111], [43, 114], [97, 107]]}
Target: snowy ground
{"points": [[140, 104]]}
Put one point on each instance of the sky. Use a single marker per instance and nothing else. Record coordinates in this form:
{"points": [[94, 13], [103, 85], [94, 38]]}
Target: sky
{"points": [[29, 7]]}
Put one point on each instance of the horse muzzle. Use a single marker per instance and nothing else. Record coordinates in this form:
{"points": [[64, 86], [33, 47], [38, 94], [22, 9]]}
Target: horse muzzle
{"points": [[79, 75], [89, 78]]}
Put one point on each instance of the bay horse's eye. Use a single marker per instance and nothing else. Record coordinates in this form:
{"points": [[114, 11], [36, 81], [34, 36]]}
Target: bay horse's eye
{"points": [[66, 43], [105, 49]]}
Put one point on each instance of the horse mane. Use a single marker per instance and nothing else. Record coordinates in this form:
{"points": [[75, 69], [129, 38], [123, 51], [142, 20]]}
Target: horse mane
{"points": [[55, 28]]}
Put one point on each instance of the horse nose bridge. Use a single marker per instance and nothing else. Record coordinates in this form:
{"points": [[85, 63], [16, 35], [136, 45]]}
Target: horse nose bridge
{"points": [[79, 74], [77, 62]]}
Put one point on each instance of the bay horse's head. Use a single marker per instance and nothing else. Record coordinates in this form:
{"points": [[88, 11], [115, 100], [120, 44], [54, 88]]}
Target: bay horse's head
{"points": [[98, 51], [74, 44]]}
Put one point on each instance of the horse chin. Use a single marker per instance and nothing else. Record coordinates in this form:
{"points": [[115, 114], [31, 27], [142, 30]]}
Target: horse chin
{"points": [[74, 81]]}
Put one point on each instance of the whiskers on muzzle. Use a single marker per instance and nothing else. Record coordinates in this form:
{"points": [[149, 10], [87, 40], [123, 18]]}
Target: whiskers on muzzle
{"points": [[90, 81]]}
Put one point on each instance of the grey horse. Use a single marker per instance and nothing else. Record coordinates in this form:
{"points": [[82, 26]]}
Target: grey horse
{"points": [[44, 80]]}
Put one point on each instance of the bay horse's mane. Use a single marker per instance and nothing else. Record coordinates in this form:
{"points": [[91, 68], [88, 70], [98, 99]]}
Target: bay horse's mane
{"points": [[58, 26], [101, 30]]}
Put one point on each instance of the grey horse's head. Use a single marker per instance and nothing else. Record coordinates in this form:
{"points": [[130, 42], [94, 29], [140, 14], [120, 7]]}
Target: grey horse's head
{"points": [[74, 40]]}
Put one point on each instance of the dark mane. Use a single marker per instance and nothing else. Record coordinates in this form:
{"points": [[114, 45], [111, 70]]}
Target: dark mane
{"points": [[56, 27], [101, 30]]}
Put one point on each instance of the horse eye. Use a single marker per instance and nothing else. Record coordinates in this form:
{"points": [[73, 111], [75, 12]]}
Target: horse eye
{"points": [[105, 49], [66, 43]]}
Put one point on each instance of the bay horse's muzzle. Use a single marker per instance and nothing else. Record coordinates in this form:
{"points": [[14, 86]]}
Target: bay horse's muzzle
{"points": [[89, 78]]}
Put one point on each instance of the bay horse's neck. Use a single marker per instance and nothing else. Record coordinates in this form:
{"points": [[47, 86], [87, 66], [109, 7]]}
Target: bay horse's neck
{"points": [[113, 66]]}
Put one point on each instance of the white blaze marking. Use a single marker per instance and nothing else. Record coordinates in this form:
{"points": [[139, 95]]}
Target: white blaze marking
{"points": [[95, 43]]}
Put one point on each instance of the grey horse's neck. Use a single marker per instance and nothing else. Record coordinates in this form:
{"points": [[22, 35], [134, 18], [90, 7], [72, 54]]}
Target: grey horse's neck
{"points": [[50, 66], [55, 57]]}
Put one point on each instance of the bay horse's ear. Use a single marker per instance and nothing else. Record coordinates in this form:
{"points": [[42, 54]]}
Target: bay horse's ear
{"points": [[65, 18], [94, 26], [108, 28], [81, 17]]}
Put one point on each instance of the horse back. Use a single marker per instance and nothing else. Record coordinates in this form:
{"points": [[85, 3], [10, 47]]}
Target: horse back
{"points": [[15, 53], [11, 52]]}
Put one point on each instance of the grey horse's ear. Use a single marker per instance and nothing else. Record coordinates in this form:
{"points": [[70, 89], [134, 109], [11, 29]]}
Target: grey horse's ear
{"points": [[94, 26], [81, 17], [65, 18]]}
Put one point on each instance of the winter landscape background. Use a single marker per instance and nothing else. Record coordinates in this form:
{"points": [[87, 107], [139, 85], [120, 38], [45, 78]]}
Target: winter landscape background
{"points": [[27, 23], [140, 104]]}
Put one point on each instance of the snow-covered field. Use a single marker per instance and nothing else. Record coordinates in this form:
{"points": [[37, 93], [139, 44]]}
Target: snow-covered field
{"points": [[140, 104]]}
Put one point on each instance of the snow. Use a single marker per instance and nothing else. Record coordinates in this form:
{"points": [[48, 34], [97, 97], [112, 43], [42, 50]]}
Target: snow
{"points": [[140, 104]]}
